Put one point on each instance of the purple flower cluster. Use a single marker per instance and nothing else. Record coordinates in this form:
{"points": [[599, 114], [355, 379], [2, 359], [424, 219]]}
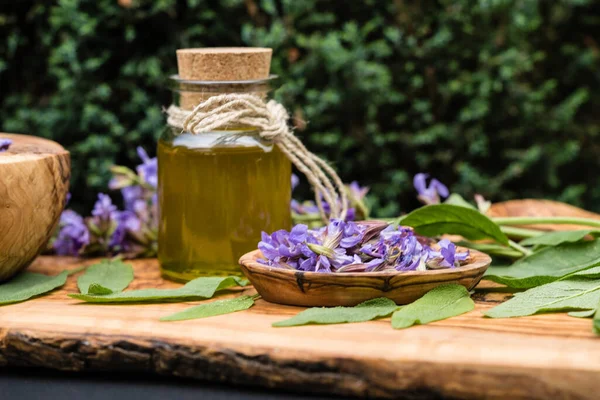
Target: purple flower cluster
{"points": [[322, 250], [356, 247], [308, 210], [131, 231], [4, 144]]}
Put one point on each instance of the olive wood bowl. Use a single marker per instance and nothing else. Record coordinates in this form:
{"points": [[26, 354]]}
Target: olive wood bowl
{"points": [[34, 182], [314, 289]]}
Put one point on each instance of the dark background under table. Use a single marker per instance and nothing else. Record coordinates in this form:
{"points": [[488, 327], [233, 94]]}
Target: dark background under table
{"points": [[43, 384], [34, 384]]}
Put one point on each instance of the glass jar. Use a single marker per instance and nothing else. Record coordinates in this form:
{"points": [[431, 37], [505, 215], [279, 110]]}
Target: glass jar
{"points": [[217, 191]]}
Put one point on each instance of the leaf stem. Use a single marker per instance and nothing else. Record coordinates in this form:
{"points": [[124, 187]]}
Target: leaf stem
{"points": [[546, 220], [517, 246], [520, 233], [492, 249]]}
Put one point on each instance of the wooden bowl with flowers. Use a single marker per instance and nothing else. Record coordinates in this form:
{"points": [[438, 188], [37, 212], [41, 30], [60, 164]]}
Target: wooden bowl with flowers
{"points": [[346, 263]]}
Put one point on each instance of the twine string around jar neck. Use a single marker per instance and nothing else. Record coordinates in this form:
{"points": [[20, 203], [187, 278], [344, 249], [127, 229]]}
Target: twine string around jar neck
{"points": [[271, 119]]}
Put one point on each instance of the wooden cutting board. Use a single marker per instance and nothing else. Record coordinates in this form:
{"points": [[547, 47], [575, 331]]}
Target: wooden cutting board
{"points": [[545, 357]]}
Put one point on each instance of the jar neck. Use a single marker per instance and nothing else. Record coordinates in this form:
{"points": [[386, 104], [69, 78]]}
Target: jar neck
{"points": [[187, 94]]}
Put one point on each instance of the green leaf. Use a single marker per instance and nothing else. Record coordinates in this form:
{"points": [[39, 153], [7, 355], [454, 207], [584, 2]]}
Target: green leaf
{"points": [[547, 265], [439, 303], [590, 273], [439, 219], [28, 284], [559, 237], [200, 288], [110, 275], [582, 314], [218, 307], [99, 289], [457, 200], [573, 294], [366, 311]]}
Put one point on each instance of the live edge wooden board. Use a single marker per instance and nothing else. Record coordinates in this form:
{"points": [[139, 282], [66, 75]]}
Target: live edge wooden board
{"points": [[544, 357]]}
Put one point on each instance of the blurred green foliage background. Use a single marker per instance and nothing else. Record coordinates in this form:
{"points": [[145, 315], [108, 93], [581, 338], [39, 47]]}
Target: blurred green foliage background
{"points": [[500, 97]]}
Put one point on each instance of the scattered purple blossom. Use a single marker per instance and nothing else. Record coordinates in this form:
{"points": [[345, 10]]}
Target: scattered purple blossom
{"points": [[344, 246], [429, 194], [5, 144]]}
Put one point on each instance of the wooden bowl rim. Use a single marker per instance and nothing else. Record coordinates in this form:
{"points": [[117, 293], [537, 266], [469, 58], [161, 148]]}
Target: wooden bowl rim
{"points": [[479, 260]]}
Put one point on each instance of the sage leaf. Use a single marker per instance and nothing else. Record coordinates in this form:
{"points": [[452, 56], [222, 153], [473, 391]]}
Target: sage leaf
{"points": [[200, 288], [573, 294], [547, 265], [559, 237], [95, 288], [439, 303], [439, 219], [366, 311], [29, 284], [218, 307], [112, 275], [582, 314], [590, 273]]}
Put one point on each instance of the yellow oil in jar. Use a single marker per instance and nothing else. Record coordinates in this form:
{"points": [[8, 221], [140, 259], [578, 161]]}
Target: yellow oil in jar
{"points": [[215, 200]]}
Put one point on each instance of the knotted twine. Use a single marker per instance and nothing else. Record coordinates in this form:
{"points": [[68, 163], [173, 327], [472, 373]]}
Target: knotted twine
{"points": [[270, 118]]}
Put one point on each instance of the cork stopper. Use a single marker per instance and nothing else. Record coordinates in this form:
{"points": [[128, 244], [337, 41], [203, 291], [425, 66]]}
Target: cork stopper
{"points": [[220, 64], [224, 63]]}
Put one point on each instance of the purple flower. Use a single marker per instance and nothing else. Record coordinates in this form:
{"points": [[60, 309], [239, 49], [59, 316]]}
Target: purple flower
{"points": [[447, 256], [4, 144], [131, 195], [103, 222], [355, 247], [283, 249], [295, 181], [399, 249], [357, 191], [297, 207], [104, 209], [127, 223], [429, 194], [148, 170], [353, 234], [73, 235]]}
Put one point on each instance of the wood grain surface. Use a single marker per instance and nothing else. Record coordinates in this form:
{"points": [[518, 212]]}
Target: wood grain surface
{"points": [[298, 288], [543, 357], [34, 182]]}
